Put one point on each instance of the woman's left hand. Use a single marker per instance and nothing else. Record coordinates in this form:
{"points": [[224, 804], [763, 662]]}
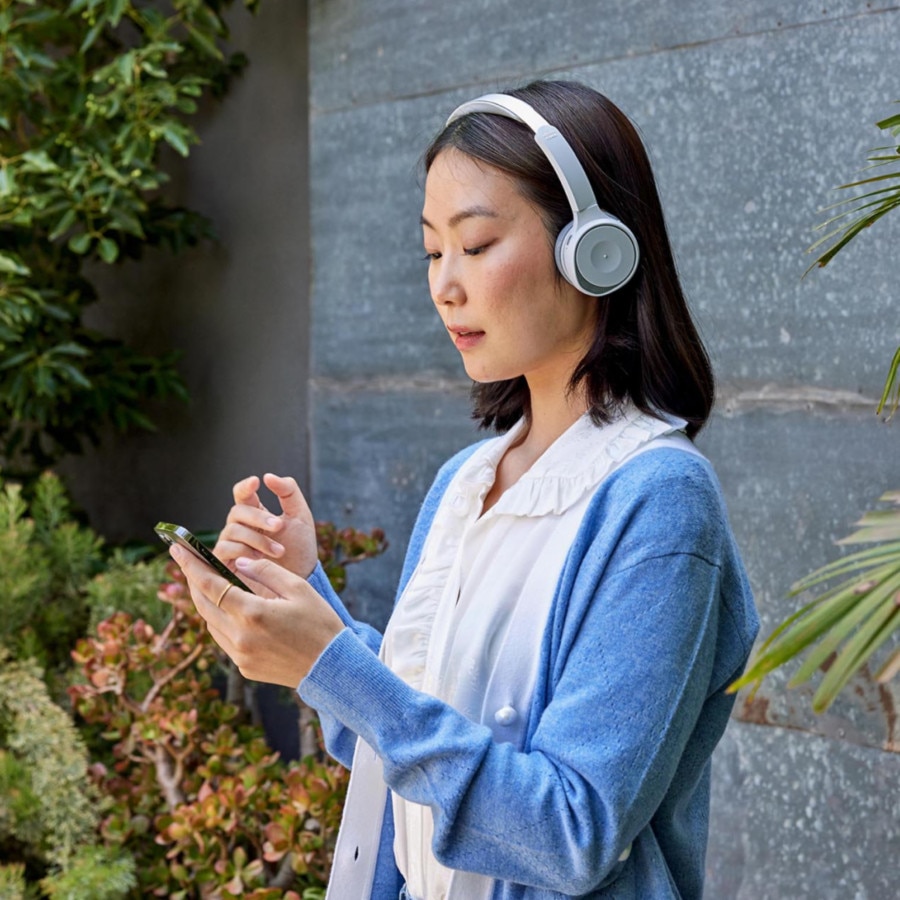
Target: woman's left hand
{"points": [[276, 639]]}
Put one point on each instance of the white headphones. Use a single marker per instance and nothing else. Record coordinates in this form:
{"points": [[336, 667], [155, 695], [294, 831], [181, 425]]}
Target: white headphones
{"points": [[595, 252]]}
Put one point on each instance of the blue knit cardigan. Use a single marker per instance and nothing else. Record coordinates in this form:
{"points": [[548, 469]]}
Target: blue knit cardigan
{"points": [[652, 619]]}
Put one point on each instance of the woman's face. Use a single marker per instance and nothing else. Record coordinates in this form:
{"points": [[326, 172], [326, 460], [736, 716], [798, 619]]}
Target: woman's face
{"points": [[493, 278]]}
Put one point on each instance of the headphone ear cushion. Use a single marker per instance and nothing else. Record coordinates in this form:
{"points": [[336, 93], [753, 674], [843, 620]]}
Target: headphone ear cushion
{"points": [[565, 260], [598, 258]]}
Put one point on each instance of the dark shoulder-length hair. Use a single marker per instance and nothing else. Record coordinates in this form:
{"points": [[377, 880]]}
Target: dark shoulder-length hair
{"points": [[646, 347]]}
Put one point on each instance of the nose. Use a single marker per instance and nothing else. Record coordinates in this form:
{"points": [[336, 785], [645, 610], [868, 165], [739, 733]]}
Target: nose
{"points": [[444, 284]]}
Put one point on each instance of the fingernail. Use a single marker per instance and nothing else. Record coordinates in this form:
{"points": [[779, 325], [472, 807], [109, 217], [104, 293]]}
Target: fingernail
{"points": [[242, 562], [276, 549], [176, 552], [272, 521]]}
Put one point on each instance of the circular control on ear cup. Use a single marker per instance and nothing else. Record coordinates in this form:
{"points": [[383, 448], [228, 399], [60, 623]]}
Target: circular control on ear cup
{"points": [[605, 257], [598, 258]]}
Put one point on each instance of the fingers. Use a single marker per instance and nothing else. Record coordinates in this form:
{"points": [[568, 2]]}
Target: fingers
{"points": [[249, 525], [207, 587], [239, 539], [275, 578], [288, 492], [275, 640], [254, 532], [246, 492]]}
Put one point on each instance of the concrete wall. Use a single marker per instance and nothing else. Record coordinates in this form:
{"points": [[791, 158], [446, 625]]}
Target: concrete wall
{"points": [[238, 310], [751, 112]]}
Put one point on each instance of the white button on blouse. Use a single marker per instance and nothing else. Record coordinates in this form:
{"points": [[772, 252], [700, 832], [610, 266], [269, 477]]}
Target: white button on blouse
{"points": [[505, 716]]}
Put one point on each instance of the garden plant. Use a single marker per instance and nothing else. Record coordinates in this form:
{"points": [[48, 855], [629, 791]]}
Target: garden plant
{"points": [[849, 624], [132, 759], [164, 788], [93, 96]]}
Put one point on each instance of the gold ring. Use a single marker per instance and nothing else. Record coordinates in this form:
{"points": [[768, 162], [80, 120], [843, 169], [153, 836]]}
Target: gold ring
{"points": [[228, 587]]}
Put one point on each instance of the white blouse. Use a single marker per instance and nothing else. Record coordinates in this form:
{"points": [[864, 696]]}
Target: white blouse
{"points": [[468, 626]]}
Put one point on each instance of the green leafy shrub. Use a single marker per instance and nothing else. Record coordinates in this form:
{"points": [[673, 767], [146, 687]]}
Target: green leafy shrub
{"points": [[129, 586], [91, 92], [48, 561], [49, 811]]}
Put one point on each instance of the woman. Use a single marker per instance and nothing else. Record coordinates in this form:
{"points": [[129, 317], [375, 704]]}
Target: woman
{"points": [[539, 717]]}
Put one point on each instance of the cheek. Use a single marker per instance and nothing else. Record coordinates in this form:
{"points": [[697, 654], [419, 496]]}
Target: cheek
{"points": [[524, 274]]}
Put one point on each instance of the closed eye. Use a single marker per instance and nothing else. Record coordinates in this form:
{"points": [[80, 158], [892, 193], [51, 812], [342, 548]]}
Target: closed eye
{"points": [[467, 251]]}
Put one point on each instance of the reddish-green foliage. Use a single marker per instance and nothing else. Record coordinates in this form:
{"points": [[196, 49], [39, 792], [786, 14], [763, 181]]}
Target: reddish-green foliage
{"points": [[197, 796], [339, 547]]}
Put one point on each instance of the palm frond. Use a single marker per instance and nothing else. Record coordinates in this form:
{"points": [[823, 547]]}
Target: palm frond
{"points": [[892, 384], [863, 215], [864, 210], [844, 627]]}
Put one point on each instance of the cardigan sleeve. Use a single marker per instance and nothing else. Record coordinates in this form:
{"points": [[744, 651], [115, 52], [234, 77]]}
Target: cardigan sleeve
{"points": [[340, 740], [640, 641]]}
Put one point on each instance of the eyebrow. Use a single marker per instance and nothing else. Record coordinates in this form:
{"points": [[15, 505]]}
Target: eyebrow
{"points": [[471, 212]]}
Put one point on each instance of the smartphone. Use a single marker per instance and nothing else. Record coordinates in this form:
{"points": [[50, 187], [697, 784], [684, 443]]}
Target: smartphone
{"points": [[176, 534]]}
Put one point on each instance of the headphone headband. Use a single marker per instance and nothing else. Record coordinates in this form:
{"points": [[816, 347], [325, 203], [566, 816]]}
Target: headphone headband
{"points": [[596, 252], [556, 148]]}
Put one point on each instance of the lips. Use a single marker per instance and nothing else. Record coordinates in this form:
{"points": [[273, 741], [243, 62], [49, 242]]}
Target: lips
{"points": [[464, 337]]}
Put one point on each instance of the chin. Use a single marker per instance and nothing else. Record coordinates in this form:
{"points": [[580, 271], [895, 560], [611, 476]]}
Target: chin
{"points": [[479, 375], [482, 377]]}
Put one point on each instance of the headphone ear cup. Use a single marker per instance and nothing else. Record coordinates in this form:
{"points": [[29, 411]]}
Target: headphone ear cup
{"points": [[597, 258], [565, 259]]}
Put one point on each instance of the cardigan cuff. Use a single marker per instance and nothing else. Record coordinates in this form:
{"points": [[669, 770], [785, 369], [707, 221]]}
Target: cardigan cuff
{"points": [[348, 681], [319, 580]]}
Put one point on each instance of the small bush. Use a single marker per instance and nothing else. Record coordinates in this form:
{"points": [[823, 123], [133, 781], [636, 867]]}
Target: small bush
{"points": [[198, 797], [48, 561], [49, 810]]}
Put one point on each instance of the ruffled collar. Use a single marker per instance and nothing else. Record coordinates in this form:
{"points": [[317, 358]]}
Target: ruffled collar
{"points": [[576, 462]]}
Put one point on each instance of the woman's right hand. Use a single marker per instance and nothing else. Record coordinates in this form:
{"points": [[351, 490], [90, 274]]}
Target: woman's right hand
{"points": [[252, 531]]}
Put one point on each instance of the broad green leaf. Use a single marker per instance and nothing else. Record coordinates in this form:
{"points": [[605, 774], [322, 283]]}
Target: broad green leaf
{"points": [[70, 348], [7, 181], [109, 250], [204, 43], [175, 137], [92, 36], [75, 376], [79, 243], [12, 264], [38, 161], [11, 362], [117, 10], [84, 184], [67, 220]]}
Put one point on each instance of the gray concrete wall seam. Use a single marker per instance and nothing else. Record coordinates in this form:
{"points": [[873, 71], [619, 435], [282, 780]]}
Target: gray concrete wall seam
{"points": [[342, 78]]}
